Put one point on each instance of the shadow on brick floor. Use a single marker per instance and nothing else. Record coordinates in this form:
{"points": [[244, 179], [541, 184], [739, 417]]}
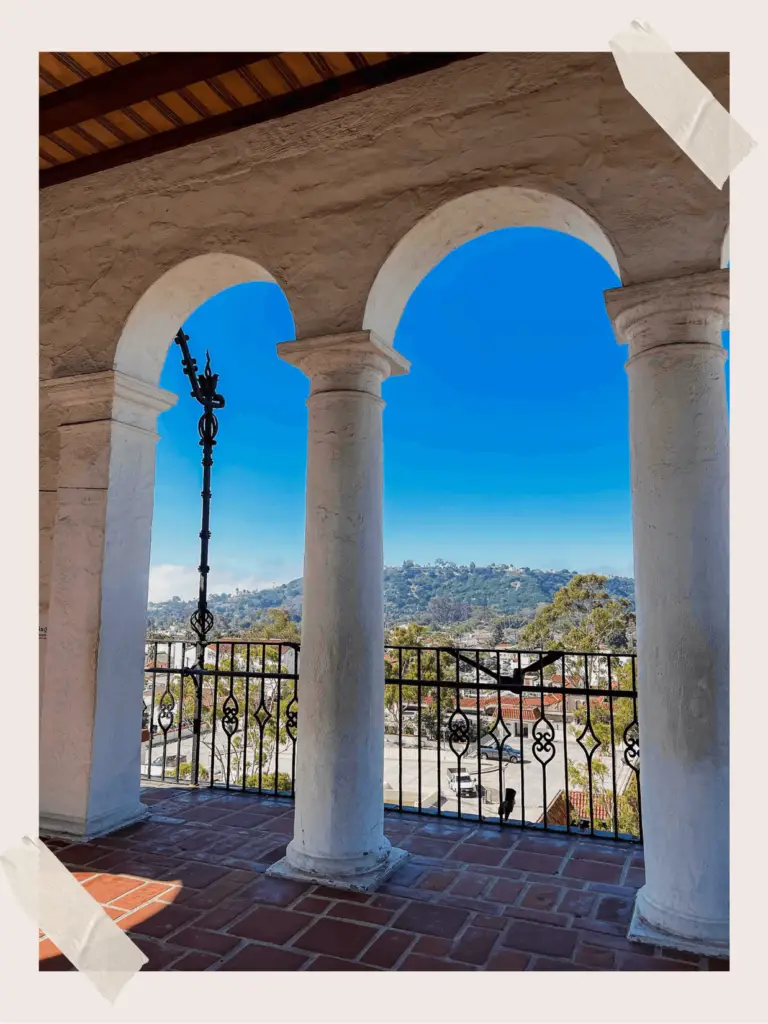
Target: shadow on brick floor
{"points": [[189, 887]]}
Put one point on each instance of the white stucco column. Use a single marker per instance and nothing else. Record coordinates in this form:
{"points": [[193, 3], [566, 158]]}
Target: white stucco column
{"points": [[339, 826], [91, 690], [679, 455]]}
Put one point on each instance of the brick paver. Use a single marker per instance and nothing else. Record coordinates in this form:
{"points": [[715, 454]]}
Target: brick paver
{"points": [[336, 938], [271, 924], [429, 919], [189, 886], [387, 949]]}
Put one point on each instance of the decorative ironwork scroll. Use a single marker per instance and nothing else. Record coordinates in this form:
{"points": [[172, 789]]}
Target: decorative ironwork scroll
{"points": [[543, 746]]}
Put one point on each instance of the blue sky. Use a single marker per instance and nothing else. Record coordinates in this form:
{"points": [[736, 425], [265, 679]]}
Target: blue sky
{"points": [[507, 442]]}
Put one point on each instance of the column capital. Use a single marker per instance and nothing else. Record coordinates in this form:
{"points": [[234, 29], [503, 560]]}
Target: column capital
{"points": [[691, 309], [356, 361], [106, 395]]}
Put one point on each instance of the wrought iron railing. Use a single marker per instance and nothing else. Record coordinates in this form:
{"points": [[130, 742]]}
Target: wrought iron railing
{"points": [[243, 715], [543, 740]]}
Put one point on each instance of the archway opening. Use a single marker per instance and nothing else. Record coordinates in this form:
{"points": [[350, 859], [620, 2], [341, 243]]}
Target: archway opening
{"points": [[515, 372], [258, 470], [506, 474], [234, 311], [169, 302], [459, 221]]}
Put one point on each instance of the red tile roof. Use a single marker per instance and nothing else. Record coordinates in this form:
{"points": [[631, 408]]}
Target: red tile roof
{"points": [[510, 706], [578, 799], [239, 642]]}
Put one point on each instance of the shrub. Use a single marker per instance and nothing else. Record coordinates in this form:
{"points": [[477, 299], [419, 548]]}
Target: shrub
{"points": [[185, 771], [268, 782]]}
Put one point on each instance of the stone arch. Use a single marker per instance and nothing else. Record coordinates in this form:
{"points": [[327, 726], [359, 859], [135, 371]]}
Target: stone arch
{"points": [[460, 220], [170, 300], [98, 556]]}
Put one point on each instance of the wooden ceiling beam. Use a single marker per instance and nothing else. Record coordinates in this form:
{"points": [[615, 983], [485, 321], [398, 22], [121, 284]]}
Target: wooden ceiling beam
{"points": [[140, 80], [399, 67]]}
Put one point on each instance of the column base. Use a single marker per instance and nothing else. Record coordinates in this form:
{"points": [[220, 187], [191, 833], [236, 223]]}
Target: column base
{"points": [[713, 944], [367, 881], [60, 826]]}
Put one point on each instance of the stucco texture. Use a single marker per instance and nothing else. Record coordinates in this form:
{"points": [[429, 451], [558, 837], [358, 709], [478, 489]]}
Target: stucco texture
{"points": [[319, 199]]}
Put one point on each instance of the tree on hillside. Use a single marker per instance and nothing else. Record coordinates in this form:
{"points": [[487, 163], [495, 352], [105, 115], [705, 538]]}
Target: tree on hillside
{"points": [[582, 617], [274, 624], [442, 610]]}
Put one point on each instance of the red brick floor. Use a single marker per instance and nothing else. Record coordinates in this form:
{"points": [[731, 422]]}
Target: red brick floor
{"points": [[189, 886]]}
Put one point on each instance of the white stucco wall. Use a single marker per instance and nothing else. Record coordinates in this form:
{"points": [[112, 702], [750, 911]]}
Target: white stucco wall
{"points": [[319, 199], [168, 303], [460, 220]]}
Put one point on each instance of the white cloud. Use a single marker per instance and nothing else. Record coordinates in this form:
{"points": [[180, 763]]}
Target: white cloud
{"points": [[167, 581]]}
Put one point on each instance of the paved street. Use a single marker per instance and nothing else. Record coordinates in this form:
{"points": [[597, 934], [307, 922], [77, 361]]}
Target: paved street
{"points": [[528, 779]]}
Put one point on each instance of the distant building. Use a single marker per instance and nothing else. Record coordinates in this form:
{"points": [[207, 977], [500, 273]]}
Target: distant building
{"points": [[519, 715], [578, 812]]}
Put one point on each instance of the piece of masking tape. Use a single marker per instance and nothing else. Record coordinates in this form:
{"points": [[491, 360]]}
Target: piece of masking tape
{"points": [[71, 917], [679, 102]]}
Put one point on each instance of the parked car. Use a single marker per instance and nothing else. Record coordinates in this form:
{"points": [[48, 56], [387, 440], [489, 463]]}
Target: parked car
{"points": [[157, 770], [491, 751], [462, 782]]}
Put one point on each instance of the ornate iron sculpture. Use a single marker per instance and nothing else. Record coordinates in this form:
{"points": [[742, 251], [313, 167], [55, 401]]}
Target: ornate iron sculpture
{"points": [[632, 746], [230, 715], [292, 717], [459, 732], [167, 706], [204, 391], [262, 714], [543, 746], [588, 733], [499, 732]]}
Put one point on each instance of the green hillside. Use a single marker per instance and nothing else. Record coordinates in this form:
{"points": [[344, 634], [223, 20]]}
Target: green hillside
{"points": [[440, 594]]}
